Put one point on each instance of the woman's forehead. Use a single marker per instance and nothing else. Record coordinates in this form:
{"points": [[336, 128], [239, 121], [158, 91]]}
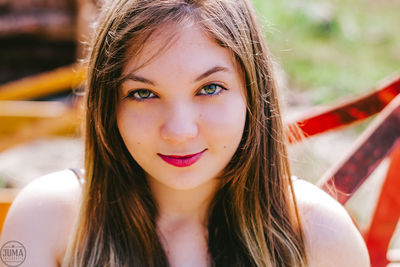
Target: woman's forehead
{"points": [[184, 46]]}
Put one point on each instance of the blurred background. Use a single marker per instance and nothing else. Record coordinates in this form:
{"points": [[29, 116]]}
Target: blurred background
{"points": [[324, 52]]}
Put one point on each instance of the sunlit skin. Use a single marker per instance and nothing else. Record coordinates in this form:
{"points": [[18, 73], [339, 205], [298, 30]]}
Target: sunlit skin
{"points": [[191, 98]]}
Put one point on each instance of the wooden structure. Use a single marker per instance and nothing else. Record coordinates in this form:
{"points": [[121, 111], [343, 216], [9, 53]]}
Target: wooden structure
{"points": [[36, 36], [22, 120]]}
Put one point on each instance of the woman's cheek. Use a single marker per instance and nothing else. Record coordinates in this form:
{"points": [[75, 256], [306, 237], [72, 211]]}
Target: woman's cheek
{"points": [[225, 119], [137, 123]]}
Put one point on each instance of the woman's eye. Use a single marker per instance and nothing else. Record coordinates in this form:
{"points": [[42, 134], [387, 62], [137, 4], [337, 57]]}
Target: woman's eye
{"points": [[144, 94], [211, 89], [141, 94]]}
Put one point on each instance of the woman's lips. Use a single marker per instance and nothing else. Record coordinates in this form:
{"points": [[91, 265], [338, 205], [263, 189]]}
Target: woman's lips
{"points": [[182, 161]]}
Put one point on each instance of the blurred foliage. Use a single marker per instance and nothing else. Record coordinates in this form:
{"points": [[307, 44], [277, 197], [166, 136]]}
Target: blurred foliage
{"points": [[2, 180], [333, 49]]}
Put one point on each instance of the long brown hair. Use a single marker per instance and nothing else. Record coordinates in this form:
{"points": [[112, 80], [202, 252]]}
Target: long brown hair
{"points": [[253, 219]]}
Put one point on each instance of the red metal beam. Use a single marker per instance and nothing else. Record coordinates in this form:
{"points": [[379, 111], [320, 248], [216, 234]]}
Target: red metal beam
{"points": [[370, 149], [386, 215], [347, 112]]}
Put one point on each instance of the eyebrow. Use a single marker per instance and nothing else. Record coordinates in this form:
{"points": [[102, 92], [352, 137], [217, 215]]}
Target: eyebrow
{"points": [[211, 71], [137, 78], [215, 69]]}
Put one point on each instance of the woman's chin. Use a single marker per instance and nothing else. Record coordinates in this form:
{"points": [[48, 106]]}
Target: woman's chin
{"points": [[182, 182]]}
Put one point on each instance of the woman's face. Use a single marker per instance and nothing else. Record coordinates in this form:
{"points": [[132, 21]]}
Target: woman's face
{"points": [[182, 115]]}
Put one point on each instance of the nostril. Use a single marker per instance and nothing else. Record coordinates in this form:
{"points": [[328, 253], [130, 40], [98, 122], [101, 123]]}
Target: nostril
{"points": [[181, 132]]}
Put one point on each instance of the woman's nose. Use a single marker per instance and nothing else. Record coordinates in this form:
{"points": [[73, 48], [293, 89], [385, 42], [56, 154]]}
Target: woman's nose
{"points": [[179, 123]]}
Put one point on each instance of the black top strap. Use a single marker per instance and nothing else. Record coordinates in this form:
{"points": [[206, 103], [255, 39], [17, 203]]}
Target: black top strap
{"points": [[79, 174]]}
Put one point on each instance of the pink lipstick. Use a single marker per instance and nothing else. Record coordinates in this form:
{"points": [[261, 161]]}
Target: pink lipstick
{"points": [[182, 161]]}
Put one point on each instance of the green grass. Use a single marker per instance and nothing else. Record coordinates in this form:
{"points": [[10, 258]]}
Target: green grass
{"points": [[338, 55]]}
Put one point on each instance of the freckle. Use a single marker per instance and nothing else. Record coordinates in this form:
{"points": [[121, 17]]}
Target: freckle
{"points": [[138, 143], [224, 147]]}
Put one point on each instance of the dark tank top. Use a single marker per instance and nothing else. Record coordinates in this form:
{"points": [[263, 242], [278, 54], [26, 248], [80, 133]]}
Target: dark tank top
{"points": [[79, 174]]}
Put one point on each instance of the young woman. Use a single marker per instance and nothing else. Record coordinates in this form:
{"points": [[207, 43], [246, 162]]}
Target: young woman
{"points": [[185, 160]]}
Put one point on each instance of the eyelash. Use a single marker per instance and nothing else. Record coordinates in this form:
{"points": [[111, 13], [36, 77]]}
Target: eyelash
{"points": [[131, 94]]}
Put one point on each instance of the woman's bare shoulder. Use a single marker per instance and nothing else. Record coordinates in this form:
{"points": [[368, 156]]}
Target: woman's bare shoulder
{"points": [[42, 215], [331, 237]]}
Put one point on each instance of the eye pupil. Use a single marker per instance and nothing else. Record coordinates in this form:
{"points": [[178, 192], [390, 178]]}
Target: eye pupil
{"points": [[210, 89], [144, 93]]}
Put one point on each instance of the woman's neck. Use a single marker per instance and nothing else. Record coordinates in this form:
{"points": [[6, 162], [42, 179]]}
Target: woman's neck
{"points": [[182, 221], [182, 207]]}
